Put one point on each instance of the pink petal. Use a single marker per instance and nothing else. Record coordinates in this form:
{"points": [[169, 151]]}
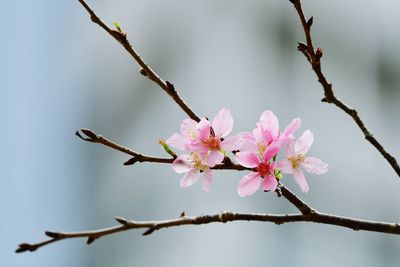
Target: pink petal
{"points": [[249, 184], [215, 157], [258, 133], [188, 126], [182, 164], [177, 140], [292, 127], [285, 166], [290, 149], [304, 142], [233, 143], [204, 129], [189, 179], [270, 183], [298, 176], [270, 122], [247, 159], [273, 149], [314, 165], [223, 123], [207, 180], [248, 143]]}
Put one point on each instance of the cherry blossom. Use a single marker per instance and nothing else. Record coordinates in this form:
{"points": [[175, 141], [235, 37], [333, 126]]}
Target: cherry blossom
{"points": [[264, 168], [192, 165], [206, 137], [297, 160]]}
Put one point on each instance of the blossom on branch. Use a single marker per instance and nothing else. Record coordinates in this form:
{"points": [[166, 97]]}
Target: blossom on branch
{"points": [[297, 159], [206, 143], [192, 165]]}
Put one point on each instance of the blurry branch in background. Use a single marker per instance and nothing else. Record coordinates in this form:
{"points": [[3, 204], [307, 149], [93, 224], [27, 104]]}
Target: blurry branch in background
{"points": [[145, 69], [307, 213], [314, 57]]}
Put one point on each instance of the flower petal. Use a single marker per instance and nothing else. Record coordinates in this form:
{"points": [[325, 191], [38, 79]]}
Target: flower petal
{"points": [[298, 176], [292, 127], [223, 123], [285, 166], [182, 164], [189, 179], [270, 183], [188, 127], [177, 140], [304, 142], [233, 143], [258, 133], [214, 157], [315, 165], [273, 149], [203, 129], [290, 149], [248, 143], [270, 122], [247, 159], [207, 180], [249, 184]]}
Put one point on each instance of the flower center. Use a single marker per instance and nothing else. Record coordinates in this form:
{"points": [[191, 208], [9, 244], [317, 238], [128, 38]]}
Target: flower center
{"points": [[261, 148], [263, 168], [212, 142], [297, 160], [198, 163]]}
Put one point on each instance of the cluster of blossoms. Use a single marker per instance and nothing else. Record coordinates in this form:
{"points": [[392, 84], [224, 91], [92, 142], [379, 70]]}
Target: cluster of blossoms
{"points": [[207, 146]]}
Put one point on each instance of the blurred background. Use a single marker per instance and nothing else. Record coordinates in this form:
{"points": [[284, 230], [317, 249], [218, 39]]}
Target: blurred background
{"points": [[60, 72]]}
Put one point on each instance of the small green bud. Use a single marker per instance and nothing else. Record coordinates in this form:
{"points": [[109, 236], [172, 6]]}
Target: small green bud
{"points": [[167, 148], [117, 26]]}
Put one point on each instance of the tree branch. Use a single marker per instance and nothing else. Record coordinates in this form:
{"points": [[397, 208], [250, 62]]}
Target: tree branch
{"points": [[145, 69], [92, 137], [223, 217], [314, 57]]}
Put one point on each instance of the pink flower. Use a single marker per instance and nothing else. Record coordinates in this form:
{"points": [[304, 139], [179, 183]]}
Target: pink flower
{"points": [[192, 165], [206, 137], [264, 168], [297, 159], [267, 132]]}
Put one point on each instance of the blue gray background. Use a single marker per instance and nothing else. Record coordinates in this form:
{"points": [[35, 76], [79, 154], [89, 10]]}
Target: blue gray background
{"points": [[60, 72]]}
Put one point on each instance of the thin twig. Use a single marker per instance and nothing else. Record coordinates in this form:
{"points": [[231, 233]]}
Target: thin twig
{"points": [[92, 137], [223, 217], [145, 69], [314, 57]]}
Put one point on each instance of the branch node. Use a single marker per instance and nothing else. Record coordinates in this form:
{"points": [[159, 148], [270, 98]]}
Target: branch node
{"points": [[121, 220], [90, 240], [318, 54], [310, 22], [143, 72], [149, 231], [25, 247], [171, 88], [131, 161], [54, 235], [225, 217]]}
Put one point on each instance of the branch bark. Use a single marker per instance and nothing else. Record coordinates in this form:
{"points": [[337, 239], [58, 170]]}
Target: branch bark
{"points": [[223, 217], [314, 57], [145, 69]]}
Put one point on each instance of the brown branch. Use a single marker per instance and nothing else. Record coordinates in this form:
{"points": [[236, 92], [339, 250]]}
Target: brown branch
{"points": [[302, 206], [314, 57], [92, 137], [223, 217], [145, 69]]}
